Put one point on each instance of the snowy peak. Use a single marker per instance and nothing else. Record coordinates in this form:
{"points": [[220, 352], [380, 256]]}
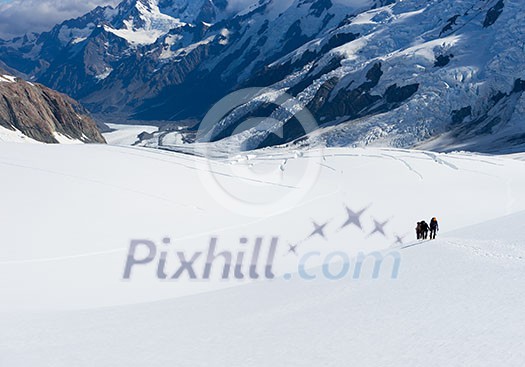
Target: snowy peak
{"points": [[77, 30], [193, 11], [141, 22], [186, 11]]}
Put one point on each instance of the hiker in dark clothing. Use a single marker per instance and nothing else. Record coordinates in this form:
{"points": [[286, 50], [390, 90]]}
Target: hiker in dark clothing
{"points": [[424, 230], [434, 228], [418, 230]]}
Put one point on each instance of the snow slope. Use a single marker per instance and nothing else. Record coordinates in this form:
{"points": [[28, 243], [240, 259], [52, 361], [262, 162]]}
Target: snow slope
{"points": [[452, 306], [72, 211], [10, 136]]}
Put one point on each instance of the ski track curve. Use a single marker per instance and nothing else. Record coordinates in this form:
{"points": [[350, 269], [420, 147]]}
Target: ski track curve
{"points": [[406, 164]]}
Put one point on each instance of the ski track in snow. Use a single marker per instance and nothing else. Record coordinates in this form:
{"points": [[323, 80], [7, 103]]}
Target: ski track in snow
{"points": [[478, 251], [406, 164], [464, 158], [98, 182], [437, 159], [211, 171], [327, 166]]}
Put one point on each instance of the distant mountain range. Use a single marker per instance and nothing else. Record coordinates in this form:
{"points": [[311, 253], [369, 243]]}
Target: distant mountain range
{"points": [[436, 74]]}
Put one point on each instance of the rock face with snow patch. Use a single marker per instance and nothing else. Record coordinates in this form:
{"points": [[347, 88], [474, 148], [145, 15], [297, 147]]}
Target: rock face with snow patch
{"points": [[44, 114]]}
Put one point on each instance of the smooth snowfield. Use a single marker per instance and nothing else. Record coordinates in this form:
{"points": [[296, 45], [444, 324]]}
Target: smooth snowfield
{"points": [[16, 136], [69, 213], [126, 134]]}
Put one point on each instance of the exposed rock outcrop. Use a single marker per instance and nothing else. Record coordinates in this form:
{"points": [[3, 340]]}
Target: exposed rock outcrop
{"points": [[44, 114]]}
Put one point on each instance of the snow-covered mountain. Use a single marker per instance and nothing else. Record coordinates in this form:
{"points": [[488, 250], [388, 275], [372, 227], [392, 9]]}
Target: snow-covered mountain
{"points": [[77, 55], [33, 113], [439, 74]]}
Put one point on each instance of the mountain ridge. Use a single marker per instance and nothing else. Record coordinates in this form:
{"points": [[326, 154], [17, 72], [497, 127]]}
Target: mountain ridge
{"points": [[372, 72]]}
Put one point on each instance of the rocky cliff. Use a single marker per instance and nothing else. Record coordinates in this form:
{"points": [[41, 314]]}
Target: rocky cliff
{"points": [[44, 114]]}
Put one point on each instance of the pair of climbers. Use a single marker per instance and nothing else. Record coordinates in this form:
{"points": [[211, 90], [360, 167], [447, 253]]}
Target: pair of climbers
{"points": [[423, 229]]}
